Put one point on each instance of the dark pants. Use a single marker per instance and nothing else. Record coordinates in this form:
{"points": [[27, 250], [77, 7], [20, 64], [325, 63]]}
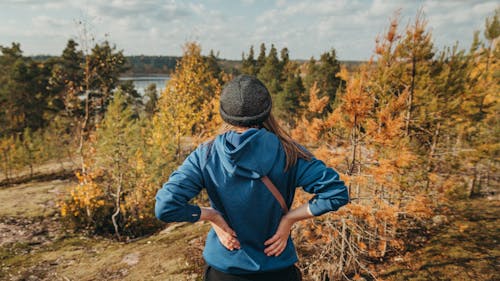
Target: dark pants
{"points": [[291, 273]]}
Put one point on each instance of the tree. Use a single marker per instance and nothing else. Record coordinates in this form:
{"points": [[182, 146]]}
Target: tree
{"points": [[261, 59], [116, 147], [324, 73], [133, 97], [213, 65], [152, 100], [270, 73], [249, 64], [24, 91], [292, 100], [187, 106], [105, 65], [67, 79]]}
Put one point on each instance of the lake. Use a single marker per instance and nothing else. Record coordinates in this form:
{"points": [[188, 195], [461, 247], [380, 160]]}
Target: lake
{"points": [[142, 82]]}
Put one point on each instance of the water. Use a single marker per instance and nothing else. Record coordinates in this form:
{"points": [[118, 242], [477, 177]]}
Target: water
{"points": [[142, 82]]}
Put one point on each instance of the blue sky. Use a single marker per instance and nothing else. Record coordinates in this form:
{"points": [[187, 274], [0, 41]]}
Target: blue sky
{"points": [[160, 27]]}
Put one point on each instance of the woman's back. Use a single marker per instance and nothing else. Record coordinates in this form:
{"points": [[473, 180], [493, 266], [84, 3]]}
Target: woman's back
{"points": [[232, 171]]}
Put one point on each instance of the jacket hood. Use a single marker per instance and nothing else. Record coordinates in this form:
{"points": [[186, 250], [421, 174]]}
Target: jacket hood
{"points": [[250, 154]]}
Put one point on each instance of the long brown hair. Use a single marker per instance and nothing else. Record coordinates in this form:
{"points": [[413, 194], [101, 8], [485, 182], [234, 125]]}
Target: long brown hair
{"points": [[292, 149]]}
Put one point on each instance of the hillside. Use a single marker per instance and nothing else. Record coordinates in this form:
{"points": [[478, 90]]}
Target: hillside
{"points": [[34, 246]]}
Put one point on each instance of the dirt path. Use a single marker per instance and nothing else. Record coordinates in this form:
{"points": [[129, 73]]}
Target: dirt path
{"points": [[467, 248]]}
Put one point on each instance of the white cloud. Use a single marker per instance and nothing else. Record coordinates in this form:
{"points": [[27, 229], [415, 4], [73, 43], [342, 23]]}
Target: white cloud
{"points": [[306, 27]]}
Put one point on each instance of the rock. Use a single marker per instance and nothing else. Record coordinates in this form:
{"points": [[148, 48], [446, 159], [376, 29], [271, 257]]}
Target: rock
{"points": [[172, 227], [131, 259], [439, 220], [398, 259]]}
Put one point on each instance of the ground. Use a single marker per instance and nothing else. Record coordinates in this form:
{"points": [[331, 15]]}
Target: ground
{"points": [[466, 248], [34, 245]]}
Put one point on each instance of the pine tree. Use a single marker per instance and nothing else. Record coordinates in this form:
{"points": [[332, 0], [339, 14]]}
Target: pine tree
{"points": [[117, 139], [261, 59], [24, 93], [249, 64], [213, 65], [479, 108], [324, 73], [270, 73], [152, 100], [105, 65], [290, 101], [67, 79]]}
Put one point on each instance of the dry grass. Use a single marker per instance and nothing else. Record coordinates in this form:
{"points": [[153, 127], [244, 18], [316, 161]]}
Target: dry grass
{"points": [[36, 247], [467, 248]]}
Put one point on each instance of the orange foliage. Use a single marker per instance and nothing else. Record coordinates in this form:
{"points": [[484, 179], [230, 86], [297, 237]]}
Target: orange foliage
{"points": [[316, 105]]}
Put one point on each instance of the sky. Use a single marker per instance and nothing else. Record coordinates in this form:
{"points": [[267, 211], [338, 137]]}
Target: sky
{"points": [[161, 27]]}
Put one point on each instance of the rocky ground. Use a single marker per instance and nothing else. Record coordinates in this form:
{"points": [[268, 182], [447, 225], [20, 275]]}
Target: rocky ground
{"points": [[35, 246]]}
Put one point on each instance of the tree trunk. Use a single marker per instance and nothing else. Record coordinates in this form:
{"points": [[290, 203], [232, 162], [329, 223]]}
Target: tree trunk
{"points": [[86, 116], [410, 96], [354, 141], [473, 183], [432, 151], [342, 248], [117, 206]]}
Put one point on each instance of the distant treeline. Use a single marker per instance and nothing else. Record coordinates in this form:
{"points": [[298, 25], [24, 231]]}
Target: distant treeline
{"points": [[150, 65]]}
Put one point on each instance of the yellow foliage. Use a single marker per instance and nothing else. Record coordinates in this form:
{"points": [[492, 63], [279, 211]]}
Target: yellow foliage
{"points": [[316, 104]]}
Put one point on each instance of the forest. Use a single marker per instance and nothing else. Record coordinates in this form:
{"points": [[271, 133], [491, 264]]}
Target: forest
{"points": [[412, 131]]}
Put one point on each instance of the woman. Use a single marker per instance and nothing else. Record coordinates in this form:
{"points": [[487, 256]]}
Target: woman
{"points": [[250, 235]]}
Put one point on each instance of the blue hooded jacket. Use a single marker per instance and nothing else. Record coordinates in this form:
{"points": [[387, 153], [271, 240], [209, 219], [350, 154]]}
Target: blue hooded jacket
{"points": [[230, 169]]}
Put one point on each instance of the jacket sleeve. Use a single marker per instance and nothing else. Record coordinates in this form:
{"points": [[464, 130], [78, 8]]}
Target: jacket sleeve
{"points": [[330, 192], [184, 184]]}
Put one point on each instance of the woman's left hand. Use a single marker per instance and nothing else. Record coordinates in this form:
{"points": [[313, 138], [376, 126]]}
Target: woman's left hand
{"points": [[277, 244]]}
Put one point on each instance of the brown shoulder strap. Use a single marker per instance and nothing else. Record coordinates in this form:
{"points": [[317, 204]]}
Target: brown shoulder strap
{"points": [[269, 184]]}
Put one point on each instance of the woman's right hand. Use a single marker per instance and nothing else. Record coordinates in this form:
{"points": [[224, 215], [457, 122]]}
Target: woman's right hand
{"points": [[226, 234]]}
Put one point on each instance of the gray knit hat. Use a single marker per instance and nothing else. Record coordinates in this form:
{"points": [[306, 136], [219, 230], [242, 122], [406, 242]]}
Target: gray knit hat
{"points": [[245, 101]]}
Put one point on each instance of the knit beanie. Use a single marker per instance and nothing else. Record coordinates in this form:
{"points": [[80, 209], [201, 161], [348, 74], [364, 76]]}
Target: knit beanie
{"points": [[245, 102]]}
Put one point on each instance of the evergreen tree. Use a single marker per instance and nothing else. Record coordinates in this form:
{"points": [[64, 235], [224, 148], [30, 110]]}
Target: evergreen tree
{"points": [[117, 140], [290, 101], [213, 65], [285, 60], [249, 64], [133, 97], [270, 73], [152, 100], [67, 78], [105, 65], [324, 73], [261, 59], [24, 93], [416, 51]]}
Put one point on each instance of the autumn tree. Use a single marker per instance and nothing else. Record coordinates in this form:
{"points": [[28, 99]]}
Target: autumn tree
{"points": [[187, 106]]}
